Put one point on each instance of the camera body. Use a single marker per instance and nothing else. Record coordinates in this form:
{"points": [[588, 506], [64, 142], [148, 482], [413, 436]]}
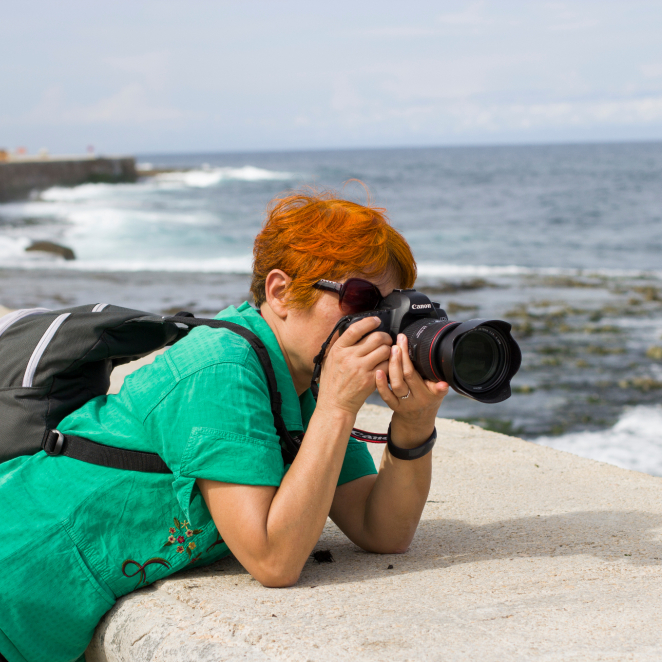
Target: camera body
{"points": [[477, 358]]}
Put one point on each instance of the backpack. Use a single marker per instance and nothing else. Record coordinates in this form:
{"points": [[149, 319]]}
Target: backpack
{"points": [[54, 361]]}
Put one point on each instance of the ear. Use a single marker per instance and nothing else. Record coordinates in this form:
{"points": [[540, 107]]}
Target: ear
{"points": [[275, 288]]}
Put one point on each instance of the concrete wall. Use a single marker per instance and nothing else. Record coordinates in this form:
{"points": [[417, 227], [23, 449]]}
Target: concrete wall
{"points": [[19, 178]]}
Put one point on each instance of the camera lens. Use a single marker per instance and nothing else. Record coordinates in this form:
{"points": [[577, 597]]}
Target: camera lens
{"points": [[477, 358]]}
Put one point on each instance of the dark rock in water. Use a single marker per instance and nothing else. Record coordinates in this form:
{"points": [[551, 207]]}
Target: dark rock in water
{"points": [[50, 247]]}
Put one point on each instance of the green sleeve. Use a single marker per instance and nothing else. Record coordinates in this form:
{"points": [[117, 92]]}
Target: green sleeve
{"points": [[357, 463], [217, 424]]}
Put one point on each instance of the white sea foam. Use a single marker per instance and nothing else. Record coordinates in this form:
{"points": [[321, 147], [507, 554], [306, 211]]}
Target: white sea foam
{"points": [[85, 192], [468, 270], [12, 248], [204, 177], [207, 176], [12, 255], [434, 270], [634, 442]]}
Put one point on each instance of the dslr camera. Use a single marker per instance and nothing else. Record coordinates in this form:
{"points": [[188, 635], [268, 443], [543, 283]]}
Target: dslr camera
{"points": [[477, 358]]}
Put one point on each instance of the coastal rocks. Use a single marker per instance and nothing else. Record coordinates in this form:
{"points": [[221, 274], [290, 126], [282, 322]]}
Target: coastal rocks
{"points": [[654, 352], [51, 247]]}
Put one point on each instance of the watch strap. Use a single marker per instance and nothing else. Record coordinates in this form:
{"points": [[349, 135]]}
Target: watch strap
{"points": [[411, 453]]}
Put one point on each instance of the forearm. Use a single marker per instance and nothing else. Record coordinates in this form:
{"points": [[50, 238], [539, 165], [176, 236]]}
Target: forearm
{"points": [[395, 503], [272, 530], [301, 505]]}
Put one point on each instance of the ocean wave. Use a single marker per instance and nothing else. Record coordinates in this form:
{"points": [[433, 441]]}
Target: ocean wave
{"points": [[14, 256], [634, 442], [106, 221], [431, 270], [434, 270], [204, 177], [13, 248], [207, 176], [85, 192]]}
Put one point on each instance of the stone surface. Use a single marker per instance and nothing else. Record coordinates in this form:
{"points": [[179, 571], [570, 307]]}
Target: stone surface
{"points": [[523, 552]]}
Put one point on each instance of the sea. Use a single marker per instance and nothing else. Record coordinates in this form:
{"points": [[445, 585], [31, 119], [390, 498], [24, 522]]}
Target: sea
{"points": [[562, 241]]}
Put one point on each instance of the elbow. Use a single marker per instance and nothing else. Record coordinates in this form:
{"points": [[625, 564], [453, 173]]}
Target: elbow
{"points": [[279, 580], [389, 545], [388, 549], [400, 549], [275, 575]]}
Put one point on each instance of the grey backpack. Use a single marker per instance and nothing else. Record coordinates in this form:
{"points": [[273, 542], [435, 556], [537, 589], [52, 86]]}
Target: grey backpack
{"points": [[52, 362]]}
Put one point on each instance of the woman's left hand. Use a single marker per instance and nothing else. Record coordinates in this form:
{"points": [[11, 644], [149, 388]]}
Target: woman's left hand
{"points": [[418, 409]]}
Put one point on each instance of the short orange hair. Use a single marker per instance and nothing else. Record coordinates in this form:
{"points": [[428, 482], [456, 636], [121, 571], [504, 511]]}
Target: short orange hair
{"points": [[312, 235]]}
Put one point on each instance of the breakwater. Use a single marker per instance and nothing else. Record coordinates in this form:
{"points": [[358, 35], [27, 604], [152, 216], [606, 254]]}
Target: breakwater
{"points": [[18, 178]]}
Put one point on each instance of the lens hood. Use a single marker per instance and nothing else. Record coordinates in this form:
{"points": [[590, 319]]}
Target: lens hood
{"points": [[508, 360]]}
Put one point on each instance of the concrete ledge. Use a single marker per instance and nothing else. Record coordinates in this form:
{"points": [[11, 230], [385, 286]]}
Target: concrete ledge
{"points": [[523, 552]]}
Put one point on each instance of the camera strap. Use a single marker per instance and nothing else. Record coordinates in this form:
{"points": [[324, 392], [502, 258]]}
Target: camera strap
{"points": [[359, 435]]}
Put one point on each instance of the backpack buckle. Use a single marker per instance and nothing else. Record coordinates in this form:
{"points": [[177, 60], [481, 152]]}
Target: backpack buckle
{"points": [[53, 442]]}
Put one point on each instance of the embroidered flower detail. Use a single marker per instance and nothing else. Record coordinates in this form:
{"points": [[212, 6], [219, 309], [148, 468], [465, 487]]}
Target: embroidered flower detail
{"points": [[178, 535], [192, 545]]}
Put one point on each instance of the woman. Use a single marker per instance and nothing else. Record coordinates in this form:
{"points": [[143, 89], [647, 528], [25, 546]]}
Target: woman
{"points": [[79, 536]]}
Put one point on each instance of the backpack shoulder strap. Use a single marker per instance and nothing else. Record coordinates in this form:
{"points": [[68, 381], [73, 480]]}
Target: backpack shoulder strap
{"points": [[289, 444], [86, 450]]}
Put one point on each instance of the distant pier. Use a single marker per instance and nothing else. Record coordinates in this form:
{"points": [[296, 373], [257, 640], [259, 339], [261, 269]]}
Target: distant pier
{"points": [[19, 177]]}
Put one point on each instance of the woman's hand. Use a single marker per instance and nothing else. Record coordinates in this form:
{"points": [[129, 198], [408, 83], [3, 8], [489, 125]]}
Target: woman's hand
{"points": [[413, 416], [350, 368], [380, 513]]}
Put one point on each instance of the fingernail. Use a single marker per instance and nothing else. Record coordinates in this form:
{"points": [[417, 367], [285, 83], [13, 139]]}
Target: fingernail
{"points": [[401, 337], [394, 350]]}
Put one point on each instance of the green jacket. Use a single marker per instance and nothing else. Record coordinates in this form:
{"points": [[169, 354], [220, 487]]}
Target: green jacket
{"points": [[78, 536]]}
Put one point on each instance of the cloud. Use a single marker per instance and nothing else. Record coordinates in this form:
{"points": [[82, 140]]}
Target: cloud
{"points": [[652, 70], [442, 24], [569, 20], [472, 16], [50, 105], [152, 67], [566, 114], [129, 105]]}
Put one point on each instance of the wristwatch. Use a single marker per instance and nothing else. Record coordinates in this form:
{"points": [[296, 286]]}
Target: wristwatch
{"points": [[410, 453]]}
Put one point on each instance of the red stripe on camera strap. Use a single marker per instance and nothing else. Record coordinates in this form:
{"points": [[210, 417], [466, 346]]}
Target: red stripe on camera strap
{"points": [[370, 437]]}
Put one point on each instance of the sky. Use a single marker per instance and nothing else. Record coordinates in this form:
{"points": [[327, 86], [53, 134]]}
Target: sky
{"points": [[256, 75]]}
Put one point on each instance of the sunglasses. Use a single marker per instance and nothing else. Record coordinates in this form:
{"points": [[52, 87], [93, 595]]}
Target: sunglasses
{"points": [[355, 294]]}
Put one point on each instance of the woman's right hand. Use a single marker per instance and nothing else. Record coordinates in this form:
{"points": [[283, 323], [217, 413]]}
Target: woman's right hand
{"points": [[349, 369]]}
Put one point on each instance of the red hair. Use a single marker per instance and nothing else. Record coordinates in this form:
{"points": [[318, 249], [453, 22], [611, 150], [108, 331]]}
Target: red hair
{"points": [[312, 235]]}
